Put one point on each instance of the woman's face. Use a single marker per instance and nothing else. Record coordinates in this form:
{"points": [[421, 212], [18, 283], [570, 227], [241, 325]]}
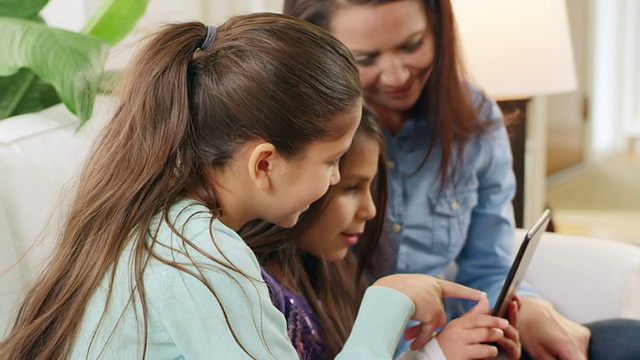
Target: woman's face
{"points": [[350, 205], [394, 48]]}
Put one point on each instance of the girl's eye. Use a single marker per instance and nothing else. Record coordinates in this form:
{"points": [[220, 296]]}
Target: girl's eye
{"points": [[335, 162], [350, 188]]}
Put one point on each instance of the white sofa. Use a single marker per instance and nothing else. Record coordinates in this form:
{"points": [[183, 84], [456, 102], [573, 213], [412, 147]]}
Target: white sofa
{"points": [[587, 279]]}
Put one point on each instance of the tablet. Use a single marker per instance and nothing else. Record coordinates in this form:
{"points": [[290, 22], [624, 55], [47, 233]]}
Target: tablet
{"points": [[520, 264]]}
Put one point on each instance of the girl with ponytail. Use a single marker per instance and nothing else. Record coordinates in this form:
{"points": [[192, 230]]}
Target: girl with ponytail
{"points": [[215, 127]]}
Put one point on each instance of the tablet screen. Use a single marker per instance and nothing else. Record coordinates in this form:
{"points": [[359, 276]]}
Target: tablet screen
{"points": [[520, 264]]}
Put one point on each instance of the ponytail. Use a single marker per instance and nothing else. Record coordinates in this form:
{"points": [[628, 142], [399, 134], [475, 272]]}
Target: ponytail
{"points": [[117, 190]]}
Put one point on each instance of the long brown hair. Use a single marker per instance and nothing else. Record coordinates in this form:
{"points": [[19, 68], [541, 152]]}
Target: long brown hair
{"points": [[446, 100], [333, 290], [184, 111]]}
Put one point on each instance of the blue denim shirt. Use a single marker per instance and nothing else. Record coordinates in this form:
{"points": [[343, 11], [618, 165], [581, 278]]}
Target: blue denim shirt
{"points": [[470, 222]]}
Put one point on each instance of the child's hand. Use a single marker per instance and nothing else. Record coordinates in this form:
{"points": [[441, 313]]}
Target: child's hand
{"points": [[510, 344], [469, 336], [426, 292]]}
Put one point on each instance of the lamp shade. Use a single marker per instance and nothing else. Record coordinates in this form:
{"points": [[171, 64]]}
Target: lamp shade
{"points": [[516, 48]]}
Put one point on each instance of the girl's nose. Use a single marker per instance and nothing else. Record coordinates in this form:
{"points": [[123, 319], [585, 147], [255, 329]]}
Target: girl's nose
{"points": [[367, 208]]}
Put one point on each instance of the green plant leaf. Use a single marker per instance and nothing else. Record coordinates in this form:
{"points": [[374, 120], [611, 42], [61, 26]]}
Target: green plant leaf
{"points": [[115, 19], [12, 89], [23, 9], [40, 96], [24, 92], [71, 62]]}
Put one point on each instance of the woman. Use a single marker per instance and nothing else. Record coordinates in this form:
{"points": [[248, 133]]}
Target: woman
{"points": [[450, 175]]}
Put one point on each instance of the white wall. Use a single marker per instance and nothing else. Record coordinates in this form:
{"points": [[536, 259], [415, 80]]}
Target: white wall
{"points": [[217, 11], [158, 12], [630, 107], [65, 14], [606, 76], [615, 82]]}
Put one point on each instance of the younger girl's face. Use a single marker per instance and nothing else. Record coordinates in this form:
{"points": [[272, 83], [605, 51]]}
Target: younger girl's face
{"points": [[394, 48], [350, 205]]}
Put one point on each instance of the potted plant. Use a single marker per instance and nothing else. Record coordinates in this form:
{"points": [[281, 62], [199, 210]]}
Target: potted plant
{"points": [[41, 65]]}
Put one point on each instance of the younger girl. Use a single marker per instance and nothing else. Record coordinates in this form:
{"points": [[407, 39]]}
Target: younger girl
{"points": [[215, 127], [315, 278]]}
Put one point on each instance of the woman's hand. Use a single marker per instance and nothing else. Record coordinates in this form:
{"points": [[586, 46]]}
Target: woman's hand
{"points": [[548, 335], [426, 292]]}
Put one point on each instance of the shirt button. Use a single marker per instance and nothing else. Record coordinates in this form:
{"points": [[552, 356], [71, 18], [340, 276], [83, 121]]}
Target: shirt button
{"points": [[455, 205], [396, 227], [391, 164]]}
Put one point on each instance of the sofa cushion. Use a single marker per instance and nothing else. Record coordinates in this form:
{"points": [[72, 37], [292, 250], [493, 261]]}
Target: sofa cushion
{"points": [[587, 279], [40, 157]]}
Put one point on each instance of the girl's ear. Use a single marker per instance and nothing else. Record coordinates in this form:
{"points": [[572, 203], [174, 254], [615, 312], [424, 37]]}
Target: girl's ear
{"points": [[263, 161]]}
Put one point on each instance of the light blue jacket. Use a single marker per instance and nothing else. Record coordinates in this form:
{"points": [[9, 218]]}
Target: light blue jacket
{"points": [[185, 319]]}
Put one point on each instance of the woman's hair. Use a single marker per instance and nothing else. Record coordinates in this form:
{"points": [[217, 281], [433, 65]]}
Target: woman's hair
{"points": [[334, 290], [185, 110], [446, 99]]}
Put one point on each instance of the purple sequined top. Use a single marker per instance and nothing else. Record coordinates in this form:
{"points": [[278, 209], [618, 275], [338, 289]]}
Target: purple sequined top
{"points": [[302, 324]]}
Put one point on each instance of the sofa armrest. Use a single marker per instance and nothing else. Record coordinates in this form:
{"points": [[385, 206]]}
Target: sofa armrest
{"points": [[586, 279]]}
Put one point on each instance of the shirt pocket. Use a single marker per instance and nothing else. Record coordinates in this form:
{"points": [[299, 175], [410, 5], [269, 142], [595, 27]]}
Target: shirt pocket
{"points": [[451, 218]]}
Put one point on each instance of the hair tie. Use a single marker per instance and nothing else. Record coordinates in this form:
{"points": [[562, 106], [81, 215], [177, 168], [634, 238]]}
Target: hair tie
{"points": [[208, 40]]}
